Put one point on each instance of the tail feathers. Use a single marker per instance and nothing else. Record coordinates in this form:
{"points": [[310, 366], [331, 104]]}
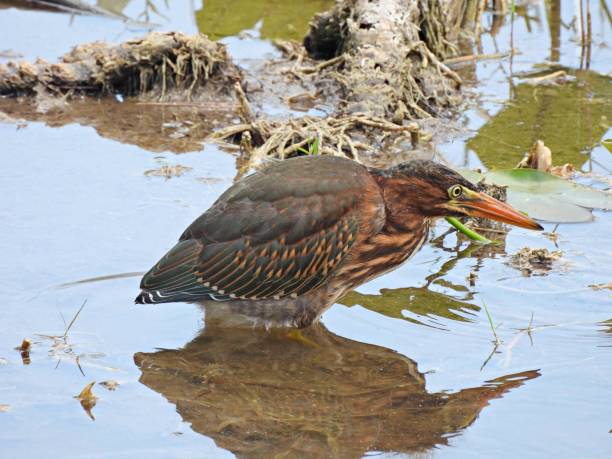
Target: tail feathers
{"points": [[150, 297], [160, 296]]}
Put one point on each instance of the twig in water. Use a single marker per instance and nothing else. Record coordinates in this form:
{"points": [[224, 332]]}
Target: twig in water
{"points": [[529, 329], [493, 328], [484, 364], [479, 57], [73, 320], [497, 342]]}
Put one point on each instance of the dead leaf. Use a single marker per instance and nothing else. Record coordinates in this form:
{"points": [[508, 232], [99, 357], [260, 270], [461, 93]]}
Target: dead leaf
{"points": [[88, 399], [25, 345], [565, 171], [539, 158], [24, 349], [4, 408], [554, 78]]}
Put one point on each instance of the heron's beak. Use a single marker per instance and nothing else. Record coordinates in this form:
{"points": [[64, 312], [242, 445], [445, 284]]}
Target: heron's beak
{"points": [[476, 204]]}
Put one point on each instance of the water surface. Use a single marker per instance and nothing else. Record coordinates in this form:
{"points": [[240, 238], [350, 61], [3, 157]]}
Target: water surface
{"points": [[406, 364]]}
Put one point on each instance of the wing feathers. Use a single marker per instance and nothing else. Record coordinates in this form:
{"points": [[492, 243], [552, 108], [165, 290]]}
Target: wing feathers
{"points": [[261, 240]]}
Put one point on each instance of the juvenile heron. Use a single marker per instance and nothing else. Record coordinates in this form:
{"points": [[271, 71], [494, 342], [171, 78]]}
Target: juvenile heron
{"points": [[284, 243]]}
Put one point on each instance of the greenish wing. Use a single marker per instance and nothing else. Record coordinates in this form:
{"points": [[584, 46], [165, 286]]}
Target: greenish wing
{"points": [[280, 232], [193, 271]]}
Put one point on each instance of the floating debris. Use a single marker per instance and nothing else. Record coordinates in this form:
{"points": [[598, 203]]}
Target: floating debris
{"points": [[168, 171], [554, 78], [607, 286], [4, 408], [24, 349], [539, 158], [471, 278], [3, 361], [88, 399], [553, 236], [110, 384], [534, 261]]}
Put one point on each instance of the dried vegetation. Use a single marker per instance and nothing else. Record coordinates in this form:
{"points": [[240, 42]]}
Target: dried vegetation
{"points": [[158, 63], [535, 261], [380, 65]]}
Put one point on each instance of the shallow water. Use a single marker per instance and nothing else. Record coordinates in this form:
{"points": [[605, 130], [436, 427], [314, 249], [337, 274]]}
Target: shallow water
{"points": [[404, 365]]}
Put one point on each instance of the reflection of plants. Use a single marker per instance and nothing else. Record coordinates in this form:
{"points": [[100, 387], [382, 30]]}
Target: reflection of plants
{"points": [[278, 19], [150, 6], [419, 301], [569, 118]]}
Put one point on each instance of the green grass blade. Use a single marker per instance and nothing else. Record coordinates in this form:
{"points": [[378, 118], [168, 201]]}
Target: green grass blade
{"points": [[468, 232]]}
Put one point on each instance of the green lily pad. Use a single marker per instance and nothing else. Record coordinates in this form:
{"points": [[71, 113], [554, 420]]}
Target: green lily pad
{"points": [[547, 197]]}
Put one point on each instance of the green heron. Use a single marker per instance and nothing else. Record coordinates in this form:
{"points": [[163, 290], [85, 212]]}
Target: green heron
{"points": [[284, 243]]}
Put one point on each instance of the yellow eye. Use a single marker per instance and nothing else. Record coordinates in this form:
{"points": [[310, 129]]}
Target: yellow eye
{"points": [[455, 191]]}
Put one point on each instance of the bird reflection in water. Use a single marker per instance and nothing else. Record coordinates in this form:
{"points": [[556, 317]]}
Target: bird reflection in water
{"points": [[259, 394]]}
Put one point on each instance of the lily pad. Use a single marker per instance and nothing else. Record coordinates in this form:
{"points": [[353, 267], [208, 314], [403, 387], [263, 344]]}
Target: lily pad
{"points": [[546, 197]]}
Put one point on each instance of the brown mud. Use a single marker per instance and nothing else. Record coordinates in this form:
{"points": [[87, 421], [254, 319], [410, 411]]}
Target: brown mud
{"points": [[151, 66], [382, 68]]}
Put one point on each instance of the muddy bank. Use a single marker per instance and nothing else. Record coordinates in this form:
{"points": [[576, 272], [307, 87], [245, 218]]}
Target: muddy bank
{"points": [[381, 69], [156, 65], [380, 63]]}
